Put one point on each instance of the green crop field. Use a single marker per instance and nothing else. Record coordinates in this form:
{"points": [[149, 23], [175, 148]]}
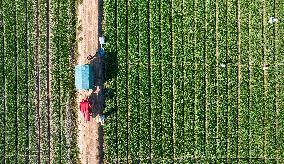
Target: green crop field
{"points": [[189, 81], [36, 81]]}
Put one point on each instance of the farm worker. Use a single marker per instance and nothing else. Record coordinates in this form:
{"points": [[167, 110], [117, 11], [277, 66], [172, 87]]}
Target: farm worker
{"points": [[82, 106], [101, 119], [85, 108], [87, 114]]}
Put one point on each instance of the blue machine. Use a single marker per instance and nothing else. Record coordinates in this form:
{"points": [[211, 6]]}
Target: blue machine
{"points": [[84, 77]]}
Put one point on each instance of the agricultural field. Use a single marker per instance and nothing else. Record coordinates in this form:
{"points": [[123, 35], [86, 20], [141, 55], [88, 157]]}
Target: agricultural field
{"points": [[36, 81], [189, 83]]}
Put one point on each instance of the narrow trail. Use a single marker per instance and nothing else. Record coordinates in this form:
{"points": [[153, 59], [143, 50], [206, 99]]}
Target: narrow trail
{"points": [[90, 140]]}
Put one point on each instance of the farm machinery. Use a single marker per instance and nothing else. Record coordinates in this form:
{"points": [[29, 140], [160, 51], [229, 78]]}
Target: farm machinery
{"points": [[84, 83]]}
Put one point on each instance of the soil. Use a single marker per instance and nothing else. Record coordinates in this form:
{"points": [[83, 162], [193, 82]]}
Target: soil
{"points": [[90, 133]]}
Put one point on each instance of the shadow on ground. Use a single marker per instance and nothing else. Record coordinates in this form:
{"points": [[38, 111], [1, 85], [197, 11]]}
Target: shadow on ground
{"points": [[105, 70]]}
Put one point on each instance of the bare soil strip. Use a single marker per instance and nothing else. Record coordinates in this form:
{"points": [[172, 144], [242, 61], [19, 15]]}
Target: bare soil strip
{"points": [[90, 133]]}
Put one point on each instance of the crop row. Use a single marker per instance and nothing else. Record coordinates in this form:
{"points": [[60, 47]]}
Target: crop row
{"points": [[22, 77], [10, 124], [31, 26], [2, 81], [110, 32]]}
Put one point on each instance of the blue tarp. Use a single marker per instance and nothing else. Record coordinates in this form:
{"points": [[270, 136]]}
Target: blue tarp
{"points": [[84, 77]]}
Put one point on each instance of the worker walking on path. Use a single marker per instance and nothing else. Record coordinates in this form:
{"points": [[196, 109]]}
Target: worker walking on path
{"points": [[85, 108]]}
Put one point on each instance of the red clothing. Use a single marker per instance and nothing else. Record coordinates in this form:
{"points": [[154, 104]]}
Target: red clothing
{"points": [[87, 116], [85, 108]]}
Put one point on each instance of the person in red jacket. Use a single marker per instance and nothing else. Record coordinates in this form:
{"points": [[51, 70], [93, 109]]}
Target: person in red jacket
{"points": [[85, 108]]}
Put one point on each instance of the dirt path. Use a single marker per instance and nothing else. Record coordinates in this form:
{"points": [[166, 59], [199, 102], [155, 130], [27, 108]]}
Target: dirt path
{"points": [[90, 133]]}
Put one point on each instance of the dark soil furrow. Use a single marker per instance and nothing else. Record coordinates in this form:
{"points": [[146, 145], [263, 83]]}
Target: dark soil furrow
{"points": [[47, 51], [27, 86], [16, 78], [37, 67], [3, 89], [149, 76]]}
